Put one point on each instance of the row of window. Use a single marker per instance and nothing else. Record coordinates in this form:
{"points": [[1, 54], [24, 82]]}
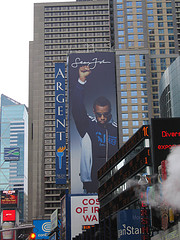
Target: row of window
{"points": [[134, 100], [139, 4], [132, 86], [134, 115], [123, 59], [133, 71], [132, 78], [69, 13], [124, 108], [78, 7], [134, 93]]}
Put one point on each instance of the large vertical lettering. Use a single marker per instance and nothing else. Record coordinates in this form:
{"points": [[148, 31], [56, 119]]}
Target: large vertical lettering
{"points": [[60, 119]]}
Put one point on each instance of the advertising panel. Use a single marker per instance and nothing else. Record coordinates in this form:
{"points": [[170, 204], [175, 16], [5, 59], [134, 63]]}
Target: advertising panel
{"points": [[11, 154], [129, 224], [54, 220], [60, 121], [9, 215], [9, 199], [8, 234], [42, 228], [93, 117], [165, 135], [84, 212]]}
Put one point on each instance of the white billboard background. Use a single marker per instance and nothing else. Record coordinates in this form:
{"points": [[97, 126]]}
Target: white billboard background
{"points": [[84, 211]]}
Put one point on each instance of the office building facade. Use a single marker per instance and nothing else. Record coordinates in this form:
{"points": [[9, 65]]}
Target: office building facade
{"points": [[145, 39], [143, 35], [60, 28], [14, 151]]}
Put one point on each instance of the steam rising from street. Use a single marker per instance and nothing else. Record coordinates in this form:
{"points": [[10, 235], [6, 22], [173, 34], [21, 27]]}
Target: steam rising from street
{"points": [[171, 187], [167, 191]]}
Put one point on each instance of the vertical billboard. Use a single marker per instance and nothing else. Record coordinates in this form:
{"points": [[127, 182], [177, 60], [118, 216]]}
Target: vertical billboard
{"points": [[84, 212], [165, 135], [60, 121], [93, 117]]}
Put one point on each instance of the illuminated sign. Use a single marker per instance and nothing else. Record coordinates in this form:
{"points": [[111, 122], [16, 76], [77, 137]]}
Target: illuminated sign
{"points": [[9, 199], [165, 135], [9, 215], [138, 162], [11, 154], [60, 123], [86, 227]]}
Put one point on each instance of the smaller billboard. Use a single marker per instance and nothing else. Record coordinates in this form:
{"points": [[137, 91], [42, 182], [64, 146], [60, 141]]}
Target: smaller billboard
{"points": [[11, 154], [84, 211], [8, 235], [9, 215], [42, 228], [54, 220], [129, 224], [9, 199]]}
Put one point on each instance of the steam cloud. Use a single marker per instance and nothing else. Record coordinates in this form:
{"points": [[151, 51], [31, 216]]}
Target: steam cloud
{"points": [[171, 186], [168, 191]]}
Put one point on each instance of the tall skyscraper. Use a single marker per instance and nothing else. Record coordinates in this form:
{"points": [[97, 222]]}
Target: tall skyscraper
{"points": [[145, 39], [59, 28], [14, 150], [143, 35]]}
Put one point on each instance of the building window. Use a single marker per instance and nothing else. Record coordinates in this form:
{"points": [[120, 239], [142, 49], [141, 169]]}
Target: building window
{"points": [[122, 71], [171, 37], [153, 64], [133, 85], [124, 108], [133, 78], [132, 61], [124, 123], [125, 115], [124, 100], [123, 93], [133, 71], [122, 61], [134, 100], [163, 63], [134, 108], [134, 115], [133, 93], [125, 138], [142, 60], [144, 115], [121, 39], [125, 131], [122, 79], [144, 100], [144, 107], [135, 123], [162, 51]]}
